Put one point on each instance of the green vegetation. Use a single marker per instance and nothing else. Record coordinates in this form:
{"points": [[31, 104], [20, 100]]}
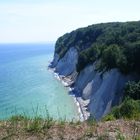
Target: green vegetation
{"points": [[129, 109], [116, 45], [132, 90]]}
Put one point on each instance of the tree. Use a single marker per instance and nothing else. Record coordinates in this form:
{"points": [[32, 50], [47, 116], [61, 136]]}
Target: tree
{"points": [[111, 56], [132, 90]]}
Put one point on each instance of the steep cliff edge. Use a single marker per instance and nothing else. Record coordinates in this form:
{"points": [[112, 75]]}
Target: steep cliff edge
{"points": [[101, 63]]}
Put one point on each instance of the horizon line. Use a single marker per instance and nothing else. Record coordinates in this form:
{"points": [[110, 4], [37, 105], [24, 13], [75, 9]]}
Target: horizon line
{"points": [[48, 42]]}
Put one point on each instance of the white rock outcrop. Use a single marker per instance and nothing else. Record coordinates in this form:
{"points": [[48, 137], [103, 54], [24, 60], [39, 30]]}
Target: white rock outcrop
{"points": [[85, 76], [92, 86], [67, 65]]}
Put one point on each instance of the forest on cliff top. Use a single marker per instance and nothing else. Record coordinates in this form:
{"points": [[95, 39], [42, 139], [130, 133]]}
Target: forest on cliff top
{"points": [[115, 45]]}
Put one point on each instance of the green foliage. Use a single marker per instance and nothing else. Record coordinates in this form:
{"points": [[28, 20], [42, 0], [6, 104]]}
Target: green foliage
{"points": [[132, 90], [109, 117], [132, 53], [111, 57], [129, 109], [89, 55]]}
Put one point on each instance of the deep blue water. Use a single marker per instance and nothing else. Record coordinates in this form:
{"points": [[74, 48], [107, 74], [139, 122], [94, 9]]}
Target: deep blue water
{"points": [[27, 87]]}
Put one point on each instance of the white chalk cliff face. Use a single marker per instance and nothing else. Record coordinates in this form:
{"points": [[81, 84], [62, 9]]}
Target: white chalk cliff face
{"points": [[92, 86], [67, 64], [103, 90], [84, 77]]}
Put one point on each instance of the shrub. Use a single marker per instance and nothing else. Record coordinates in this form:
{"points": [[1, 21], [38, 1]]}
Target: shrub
{"points": [[109, 117], [132, 90], [129, 109]]}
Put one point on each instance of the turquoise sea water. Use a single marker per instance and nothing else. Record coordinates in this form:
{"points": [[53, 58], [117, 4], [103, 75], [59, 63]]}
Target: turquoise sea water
{"points": [[28, 87]]}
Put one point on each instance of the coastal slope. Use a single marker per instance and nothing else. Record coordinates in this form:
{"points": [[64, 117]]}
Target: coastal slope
{"points": [[99, 60]]}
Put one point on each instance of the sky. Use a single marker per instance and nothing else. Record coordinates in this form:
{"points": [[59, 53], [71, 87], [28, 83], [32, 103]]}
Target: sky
{"points": [[29, 21]]}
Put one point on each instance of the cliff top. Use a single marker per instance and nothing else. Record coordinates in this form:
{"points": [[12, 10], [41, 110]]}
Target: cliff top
{"points": [[37, 129]]}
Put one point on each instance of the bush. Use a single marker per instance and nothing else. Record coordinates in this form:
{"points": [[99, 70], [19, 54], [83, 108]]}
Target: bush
{"points": [[90, 55], [109, 117], [132, 90], [129, 109], [111, 57]]}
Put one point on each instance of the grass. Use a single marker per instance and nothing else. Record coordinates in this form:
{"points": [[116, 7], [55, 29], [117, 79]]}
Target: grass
{"points": [[22, 128]]}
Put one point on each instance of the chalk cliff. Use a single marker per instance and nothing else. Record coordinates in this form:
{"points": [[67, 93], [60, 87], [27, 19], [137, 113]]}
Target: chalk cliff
{"points": [[103, 88], [67, 64]]}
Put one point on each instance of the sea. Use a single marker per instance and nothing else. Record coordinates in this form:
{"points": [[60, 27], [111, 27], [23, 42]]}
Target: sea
{"points": [[28, 87]]}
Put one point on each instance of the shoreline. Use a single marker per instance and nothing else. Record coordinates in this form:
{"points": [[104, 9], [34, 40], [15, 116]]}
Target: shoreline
{"points": [[80, 103]]}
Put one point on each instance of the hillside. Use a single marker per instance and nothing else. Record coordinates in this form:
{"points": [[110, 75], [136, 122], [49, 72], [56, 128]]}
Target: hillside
{"points": [[100, 60], [121, 41]]}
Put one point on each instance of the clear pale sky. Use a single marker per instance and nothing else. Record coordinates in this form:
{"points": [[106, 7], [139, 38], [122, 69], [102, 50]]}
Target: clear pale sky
{"points": [[46, 20]]}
